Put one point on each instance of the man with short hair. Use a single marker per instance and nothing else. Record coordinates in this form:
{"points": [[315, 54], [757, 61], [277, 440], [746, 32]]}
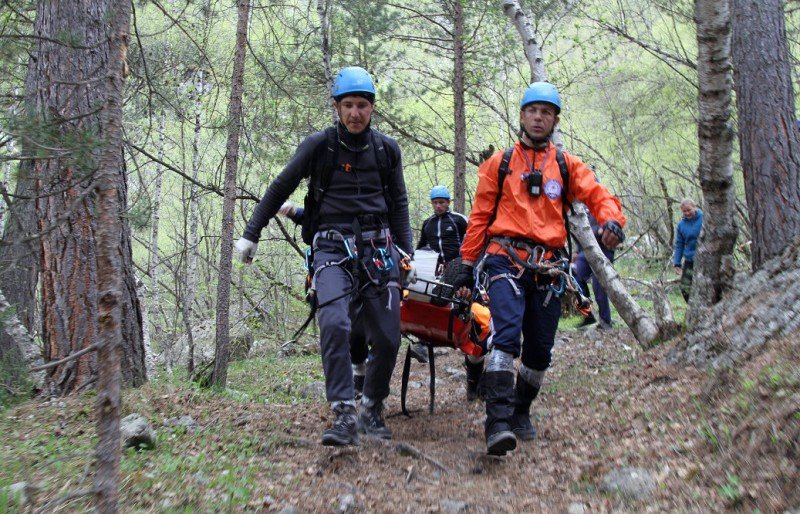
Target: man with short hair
{"points": [[356, 220], [517, 224], [442, 233], [686, 235]]}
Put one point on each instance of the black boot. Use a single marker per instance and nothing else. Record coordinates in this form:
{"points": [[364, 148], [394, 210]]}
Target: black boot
{"points": [[371, 423], [588, 321], [524, 394], [498, 387], [343, 432], [474, 373]]}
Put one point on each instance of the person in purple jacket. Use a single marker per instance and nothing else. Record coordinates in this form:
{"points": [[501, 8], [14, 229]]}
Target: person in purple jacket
{"points": [[686, 236]]}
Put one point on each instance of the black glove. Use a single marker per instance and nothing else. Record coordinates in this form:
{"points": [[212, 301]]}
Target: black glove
{"points": [[613, 227], [612, 234], [464, 278]]}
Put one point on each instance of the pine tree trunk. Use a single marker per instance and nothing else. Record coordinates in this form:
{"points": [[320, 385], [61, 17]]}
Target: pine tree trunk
{"points": [[768, 138], [68, 199], [222, 356], [714, 263], [460, 122]]}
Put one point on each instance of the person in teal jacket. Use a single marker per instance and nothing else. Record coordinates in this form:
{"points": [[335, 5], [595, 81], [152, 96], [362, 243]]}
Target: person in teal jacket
{"points": [[686, 236]]}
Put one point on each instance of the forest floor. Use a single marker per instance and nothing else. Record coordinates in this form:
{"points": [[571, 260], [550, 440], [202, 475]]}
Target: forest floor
{"points": [[711, 441]]}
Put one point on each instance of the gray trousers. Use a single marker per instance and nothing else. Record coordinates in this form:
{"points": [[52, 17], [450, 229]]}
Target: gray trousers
{"points": [[372, 310]]}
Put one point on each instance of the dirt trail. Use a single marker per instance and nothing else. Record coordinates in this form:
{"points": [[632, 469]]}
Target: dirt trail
{"points": [[605, 405]]}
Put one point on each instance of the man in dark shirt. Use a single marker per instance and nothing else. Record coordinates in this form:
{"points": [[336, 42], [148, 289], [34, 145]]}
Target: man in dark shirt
{"points": [[360, 220], [444, 231]]}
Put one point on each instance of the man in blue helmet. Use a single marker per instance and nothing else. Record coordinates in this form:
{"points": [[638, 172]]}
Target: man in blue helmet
{"points": [[444, 230], [516, 230], [442, 233], [356, 220]]}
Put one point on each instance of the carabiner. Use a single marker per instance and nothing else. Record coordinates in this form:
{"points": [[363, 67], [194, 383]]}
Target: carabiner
{"points": [[352, 252], [381, 259], [307, 260]]}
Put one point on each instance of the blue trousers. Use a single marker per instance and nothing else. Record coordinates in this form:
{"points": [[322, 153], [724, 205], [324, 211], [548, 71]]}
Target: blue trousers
{"points": [[522, 307], [582, 273]]}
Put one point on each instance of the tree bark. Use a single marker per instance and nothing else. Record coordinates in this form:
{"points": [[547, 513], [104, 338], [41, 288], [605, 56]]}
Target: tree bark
{"points": [[114, 259], [714, 262], [220, 374], [70, 96], [324, 13], [768, 138], [19, 248], [153, 259], [459, 110]]}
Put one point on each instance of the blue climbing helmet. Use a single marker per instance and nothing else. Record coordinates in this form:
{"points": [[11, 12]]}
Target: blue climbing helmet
{"points": [[440, 192], [353, 80], [541, 92]]}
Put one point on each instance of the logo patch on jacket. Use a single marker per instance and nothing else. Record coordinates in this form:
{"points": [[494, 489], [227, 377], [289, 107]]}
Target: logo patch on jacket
{"points": [[552, 188]]}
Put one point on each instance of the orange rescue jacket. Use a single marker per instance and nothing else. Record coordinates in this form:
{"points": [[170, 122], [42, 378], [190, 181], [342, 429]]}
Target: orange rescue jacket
{"points": [[521, 216]]}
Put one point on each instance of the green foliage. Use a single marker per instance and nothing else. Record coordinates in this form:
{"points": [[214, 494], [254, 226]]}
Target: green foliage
{"points": [[731, 491]]}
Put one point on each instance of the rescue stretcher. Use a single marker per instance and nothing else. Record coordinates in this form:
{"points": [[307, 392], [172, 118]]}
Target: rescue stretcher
{"points": [[432, 314]]}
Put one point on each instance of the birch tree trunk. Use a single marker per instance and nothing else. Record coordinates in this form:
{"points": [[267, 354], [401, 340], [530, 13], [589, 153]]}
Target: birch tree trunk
{"points": [[714, 263], [153, 258], [193, 241], [71, 84], [222, 356], [459, 115], [533, 51], [20, 251], [4, 186], [768, 138], [644, 328], [324, 13]]}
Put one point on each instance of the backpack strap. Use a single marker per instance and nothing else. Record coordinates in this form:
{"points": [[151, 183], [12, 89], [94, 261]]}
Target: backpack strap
{"points": [[319, 178], [502, 171], [384, 161], [323, 171], [566, 205]]}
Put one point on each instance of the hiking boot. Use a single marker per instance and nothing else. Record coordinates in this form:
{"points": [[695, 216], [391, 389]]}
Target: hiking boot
{"points": [[498, 388], [500, 442], [371, 422], [358, 385], [588, 321], [524, 394], [605, 325], [474, 374], [343, 432], [419, 352]]}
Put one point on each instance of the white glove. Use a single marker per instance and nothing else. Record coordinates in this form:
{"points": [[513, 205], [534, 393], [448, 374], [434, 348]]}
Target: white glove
{"points": [[287, 209], [245, 250]]}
